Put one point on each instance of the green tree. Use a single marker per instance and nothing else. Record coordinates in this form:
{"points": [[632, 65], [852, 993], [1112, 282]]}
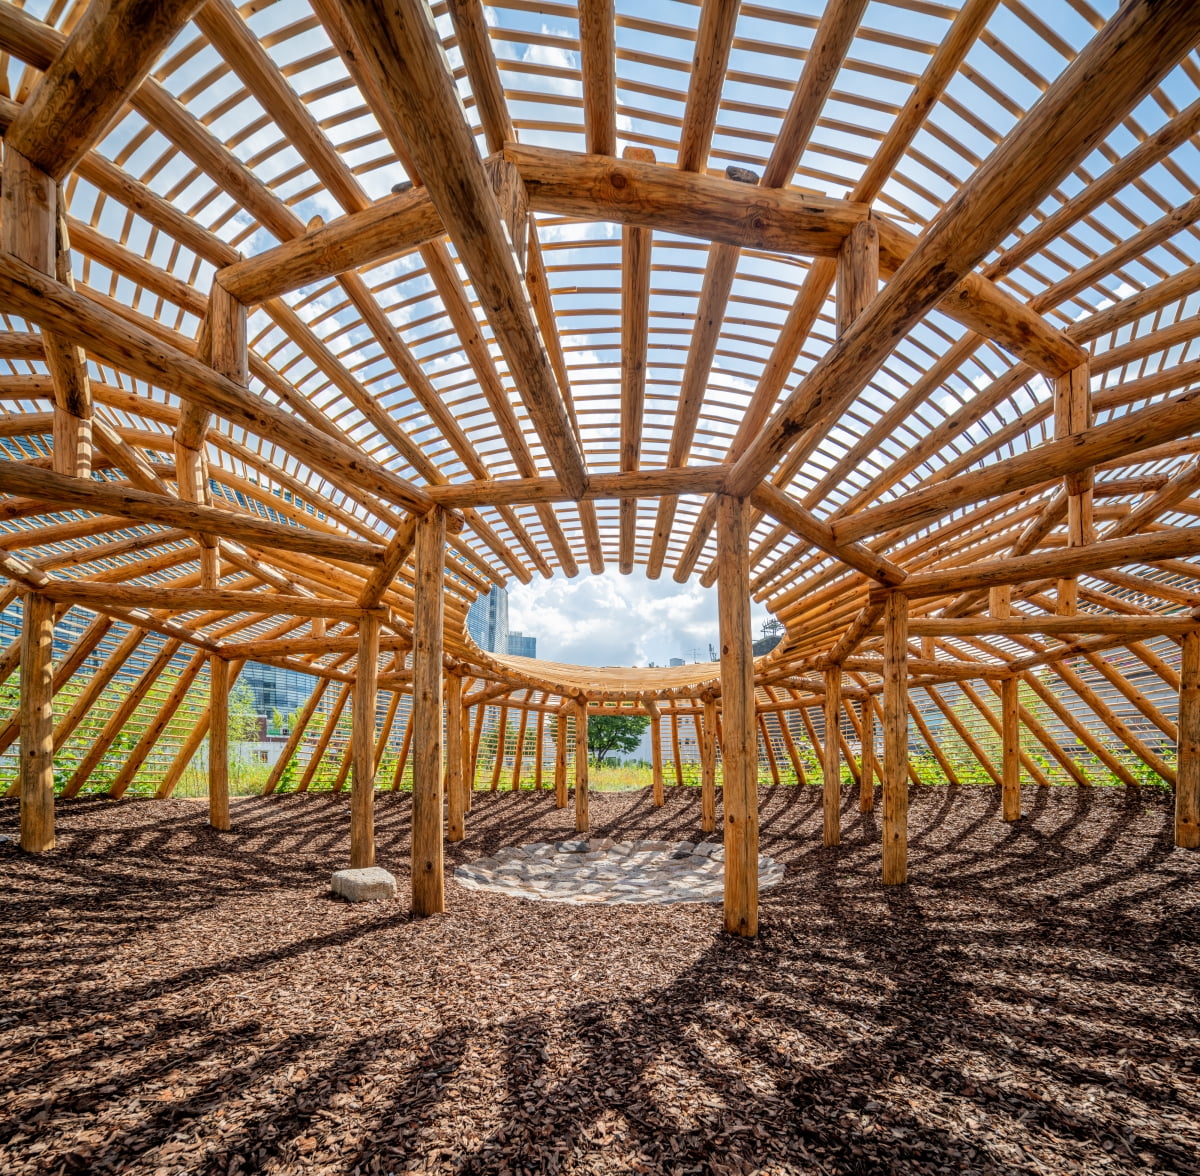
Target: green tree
{"points": [[609, 733]]}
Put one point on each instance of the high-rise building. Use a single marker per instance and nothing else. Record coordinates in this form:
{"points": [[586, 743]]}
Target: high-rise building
{"points": [[521, 646], [487, 621]]}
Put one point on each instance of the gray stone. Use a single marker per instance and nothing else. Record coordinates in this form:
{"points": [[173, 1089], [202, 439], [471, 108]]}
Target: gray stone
{"points": [[365, 885], [604, 871]]}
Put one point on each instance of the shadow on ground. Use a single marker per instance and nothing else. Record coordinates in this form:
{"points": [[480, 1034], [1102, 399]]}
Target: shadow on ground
{"points": [[178, 1000]]}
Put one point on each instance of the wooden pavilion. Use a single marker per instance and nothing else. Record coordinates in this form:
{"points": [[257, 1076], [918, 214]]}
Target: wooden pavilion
{"points": [[323, 318]]}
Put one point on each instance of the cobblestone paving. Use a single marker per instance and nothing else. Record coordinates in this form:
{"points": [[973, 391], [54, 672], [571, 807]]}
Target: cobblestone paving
{"points": [[604, 870]]}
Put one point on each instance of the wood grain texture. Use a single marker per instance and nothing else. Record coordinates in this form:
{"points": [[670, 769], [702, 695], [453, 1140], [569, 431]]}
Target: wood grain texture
{"points": [[739, 744], [362, 743], [36, 709], [895, 740]]}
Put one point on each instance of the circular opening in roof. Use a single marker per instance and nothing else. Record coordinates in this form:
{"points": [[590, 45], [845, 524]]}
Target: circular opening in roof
{"points": [[606, 620]]}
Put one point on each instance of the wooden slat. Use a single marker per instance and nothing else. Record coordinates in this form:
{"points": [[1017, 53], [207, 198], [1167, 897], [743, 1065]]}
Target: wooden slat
{"points": [[1133, 51], [406, 59]]}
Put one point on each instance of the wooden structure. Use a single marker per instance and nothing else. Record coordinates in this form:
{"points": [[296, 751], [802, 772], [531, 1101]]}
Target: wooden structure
{"points": [[321, 319]]}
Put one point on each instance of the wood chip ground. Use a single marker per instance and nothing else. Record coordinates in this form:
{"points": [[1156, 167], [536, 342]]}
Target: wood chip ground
{"points": [[177, 1000]]}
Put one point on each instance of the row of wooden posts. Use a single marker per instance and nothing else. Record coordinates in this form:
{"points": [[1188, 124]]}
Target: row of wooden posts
{"points": [[439, 770], [448, 771]]}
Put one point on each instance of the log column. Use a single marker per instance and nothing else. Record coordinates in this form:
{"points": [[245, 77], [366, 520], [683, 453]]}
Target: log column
{"points": [[37, 724], [1073, 414], [831, 768], [866, 782], [740, 740], [656, 776], [33, 227], [428, 882], [581, 765], [1010, 731], [560, 759], [362, 739], [465, 783], [857, 273], [455, 823], [857, 285], [1000, 607], [1187, 784], [708, 767], [895, 739], [218, 742]]}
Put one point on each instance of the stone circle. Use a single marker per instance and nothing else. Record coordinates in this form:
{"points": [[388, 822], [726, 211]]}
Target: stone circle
{"points": [[608, 871]]}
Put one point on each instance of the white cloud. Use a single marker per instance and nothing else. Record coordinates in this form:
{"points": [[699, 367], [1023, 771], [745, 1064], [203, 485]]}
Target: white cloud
{"points": [[615, 620]]}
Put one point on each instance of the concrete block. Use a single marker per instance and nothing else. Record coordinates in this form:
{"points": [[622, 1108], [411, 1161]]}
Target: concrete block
{"points": [[364, 885]]}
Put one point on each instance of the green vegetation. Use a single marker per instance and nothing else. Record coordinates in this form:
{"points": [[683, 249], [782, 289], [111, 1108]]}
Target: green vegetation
{"points": [[250, 766], [607, 734]]}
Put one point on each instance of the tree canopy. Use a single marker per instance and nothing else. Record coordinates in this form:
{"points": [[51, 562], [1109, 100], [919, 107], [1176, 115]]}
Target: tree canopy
{"points": [[610, 733]]}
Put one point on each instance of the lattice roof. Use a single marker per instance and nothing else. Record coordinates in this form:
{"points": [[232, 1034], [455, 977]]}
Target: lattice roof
{"points": [[666, 327]]}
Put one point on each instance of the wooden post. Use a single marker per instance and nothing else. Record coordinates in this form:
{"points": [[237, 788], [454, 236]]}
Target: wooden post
{"points": [[473, 765], [538, 747], [675, 747], [866, 782], [708, 767], [895, 739], [740, 745], [857, 273], [428, 882], [581, 766], [1010, 735], [455, 825], [519, 752], [37, 724], [656, 777], [1187, 785], [560, 760], [831, 768], [218, 742], [362, 739], [1073, 414], [501, 741], [466, 783]]}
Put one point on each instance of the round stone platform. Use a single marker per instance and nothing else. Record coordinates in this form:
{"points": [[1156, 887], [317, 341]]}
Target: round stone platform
{"points": [[603, 870]]}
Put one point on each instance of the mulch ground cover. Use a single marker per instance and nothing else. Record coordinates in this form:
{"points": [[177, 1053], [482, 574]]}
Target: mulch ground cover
{"points": [[176, 1000]]}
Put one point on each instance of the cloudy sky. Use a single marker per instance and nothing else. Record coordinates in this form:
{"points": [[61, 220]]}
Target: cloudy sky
{"points": [[615, 620]]}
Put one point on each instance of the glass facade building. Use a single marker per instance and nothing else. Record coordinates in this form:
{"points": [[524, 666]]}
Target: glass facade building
{"points": [[487, 621]]}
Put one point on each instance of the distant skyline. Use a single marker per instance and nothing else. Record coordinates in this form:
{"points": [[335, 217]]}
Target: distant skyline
{"points": [[616, 620]]}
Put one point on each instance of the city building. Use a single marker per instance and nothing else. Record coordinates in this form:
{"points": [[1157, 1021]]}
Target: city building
{"points": [[487, 621], [521, 646]]}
